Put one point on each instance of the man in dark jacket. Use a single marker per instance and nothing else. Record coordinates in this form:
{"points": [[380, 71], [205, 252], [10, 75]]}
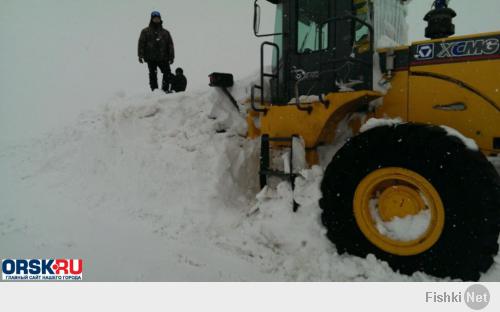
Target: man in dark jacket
{"points": [[157, 49]]}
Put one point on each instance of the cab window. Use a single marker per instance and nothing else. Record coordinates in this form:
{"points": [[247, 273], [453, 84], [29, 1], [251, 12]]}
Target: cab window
{"points": [[363, 11], [311, 13]]}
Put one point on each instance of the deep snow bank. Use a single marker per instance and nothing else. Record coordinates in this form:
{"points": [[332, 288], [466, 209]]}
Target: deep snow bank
{"points": [[163, 188]]}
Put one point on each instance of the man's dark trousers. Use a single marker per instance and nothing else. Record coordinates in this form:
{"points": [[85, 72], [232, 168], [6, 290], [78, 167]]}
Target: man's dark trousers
{"points": [[153, 75]]}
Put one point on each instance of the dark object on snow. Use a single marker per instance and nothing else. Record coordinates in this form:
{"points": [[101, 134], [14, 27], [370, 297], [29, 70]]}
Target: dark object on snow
{"points": [[440, 21], [156, 48], [223, 81], [179, 81]]}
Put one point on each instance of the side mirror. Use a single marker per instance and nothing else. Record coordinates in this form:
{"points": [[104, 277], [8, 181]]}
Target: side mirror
{"points": [[256, 18]]}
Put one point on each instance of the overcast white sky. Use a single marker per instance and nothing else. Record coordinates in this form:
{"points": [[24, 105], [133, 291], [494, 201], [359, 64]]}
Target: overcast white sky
{"points": [[59, 57]]}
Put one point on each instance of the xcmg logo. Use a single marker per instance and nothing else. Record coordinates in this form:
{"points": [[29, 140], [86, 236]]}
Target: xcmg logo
{"points": [[42, 269], [425, 51], [469, 48], [457, 49]]}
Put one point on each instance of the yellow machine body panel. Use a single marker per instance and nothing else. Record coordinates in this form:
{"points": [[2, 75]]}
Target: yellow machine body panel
{"points": [[395, 102], [316, 127], [453, 82]]}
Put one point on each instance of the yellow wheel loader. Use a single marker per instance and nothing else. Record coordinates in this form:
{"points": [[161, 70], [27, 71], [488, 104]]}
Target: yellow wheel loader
{"points": [[423, 172]]}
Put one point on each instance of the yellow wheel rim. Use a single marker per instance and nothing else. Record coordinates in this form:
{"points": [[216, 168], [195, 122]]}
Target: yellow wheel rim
{"points": [[399, 193]]}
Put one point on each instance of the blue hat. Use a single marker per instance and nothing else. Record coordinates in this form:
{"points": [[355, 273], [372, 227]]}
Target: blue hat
{"points": [[155, 14]]}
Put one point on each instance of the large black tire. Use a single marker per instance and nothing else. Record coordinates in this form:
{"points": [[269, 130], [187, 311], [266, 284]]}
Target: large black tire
{"points": [[467, 183]]}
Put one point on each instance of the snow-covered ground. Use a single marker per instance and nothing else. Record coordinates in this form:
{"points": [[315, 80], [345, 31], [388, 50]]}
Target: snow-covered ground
{"points": [[158, 187]]}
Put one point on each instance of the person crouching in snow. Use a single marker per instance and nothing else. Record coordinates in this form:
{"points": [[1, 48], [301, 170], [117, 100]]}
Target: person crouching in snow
{"points": [[156, 48], [179, 81]]}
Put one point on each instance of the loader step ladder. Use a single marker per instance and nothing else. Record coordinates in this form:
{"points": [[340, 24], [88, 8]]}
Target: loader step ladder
{"points": [[263, 75], [266, 171]]}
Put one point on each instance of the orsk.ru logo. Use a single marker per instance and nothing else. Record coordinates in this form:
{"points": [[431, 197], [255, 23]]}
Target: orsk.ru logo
{"points": [[42, 269]]}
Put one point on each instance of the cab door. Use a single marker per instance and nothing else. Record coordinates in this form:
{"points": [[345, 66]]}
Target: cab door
{"points": [[306, 52], [319, 43]]}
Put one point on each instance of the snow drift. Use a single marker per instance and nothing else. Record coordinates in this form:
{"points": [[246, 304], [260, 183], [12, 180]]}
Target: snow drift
{"points": [[163, 188]]}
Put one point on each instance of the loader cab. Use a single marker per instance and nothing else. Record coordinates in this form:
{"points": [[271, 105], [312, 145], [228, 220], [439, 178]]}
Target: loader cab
{"points": [[319, 47]]}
